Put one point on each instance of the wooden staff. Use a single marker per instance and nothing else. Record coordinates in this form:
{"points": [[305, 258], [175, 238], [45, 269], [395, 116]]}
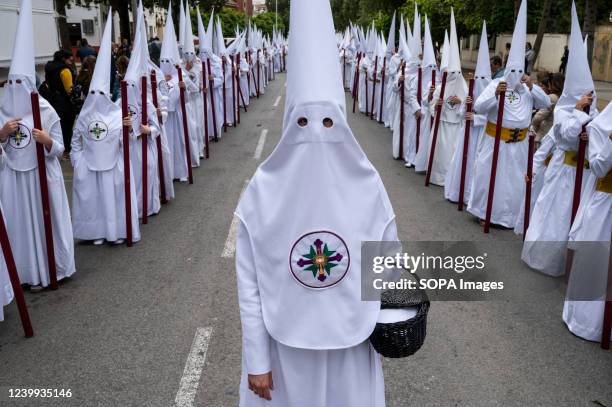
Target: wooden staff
{"points": [[14, 277], [258, 76], [498, 130], [402, 99], [580, 158], [185, 126], [246, 56], [356, 83], [419, 95], [205, 98], [374, 87], [44, 194], [344, 68], [144, 118], [211, 84], [529, 184], [382, 91], [367, 87], [127, 182], [234, 94], [223, 67], [607, 322], [466, 144], [433, 83], [434, 136], [160, 157]]}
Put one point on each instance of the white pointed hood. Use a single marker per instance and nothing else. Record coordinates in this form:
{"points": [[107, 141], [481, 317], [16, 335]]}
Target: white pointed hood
{"points": [[169, 55], [391, 41], [222, 50], [409, 38], [416, 33], [137, 68], [16, 100], [207, 46], [482, 74], [201, 32], [444, 53], [182, 27], [429, 55], [578, 79], [318, 178], [189, 53], [99, 122], [516, 59], [455, 83]]}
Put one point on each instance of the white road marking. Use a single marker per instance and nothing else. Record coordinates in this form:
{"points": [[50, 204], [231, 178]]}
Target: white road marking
{"points": [[278, 99], [230, 243], [193, 368], [260, 144]]}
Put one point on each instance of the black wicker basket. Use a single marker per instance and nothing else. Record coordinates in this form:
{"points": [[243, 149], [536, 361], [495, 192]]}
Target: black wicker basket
{"points": [[404, 338]]}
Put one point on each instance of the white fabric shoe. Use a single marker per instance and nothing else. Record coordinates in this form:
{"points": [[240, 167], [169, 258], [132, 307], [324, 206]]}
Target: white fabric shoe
{"points": [[98, 242]]}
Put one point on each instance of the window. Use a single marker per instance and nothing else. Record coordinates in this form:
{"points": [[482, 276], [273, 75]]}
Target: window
{"points": [[88, 27]]}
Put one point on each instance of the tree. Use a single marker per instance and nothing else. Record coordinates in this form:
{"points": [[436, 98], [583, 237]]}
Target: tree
{"points": [[265, 22]]}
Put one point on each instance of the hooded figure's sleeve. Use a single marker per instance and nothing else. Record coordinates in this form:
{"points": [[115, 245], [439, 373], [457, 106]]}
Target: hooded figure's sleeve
{"points": [[571, 126], [600, 152], [487, 100], [542, 153], [540, 99], [57, 148], [255, 336]]}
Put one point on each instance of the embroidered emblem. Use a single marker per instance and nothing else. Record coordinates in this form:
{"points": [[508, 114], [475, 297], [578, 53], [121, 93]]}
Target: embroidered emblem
{"points": [[97, 130], [21, 138], [319, 259], [133, 112], [450, 105], [512, 97], [164, 88]]}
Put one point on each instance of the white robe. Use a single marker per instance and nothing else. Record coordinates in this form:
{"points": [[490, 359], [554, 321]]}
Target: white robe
{"points": [[98, 197], [449, 133], [215, 98], [23, 215], [540, 166], [173, 129], [546, 239], [452, 183], [593, 224], [195, 110], [512, 159], [365, 96], [244, 99], [165, 148], [302, 377], [392, 99], [420, 161], [411, 106]]}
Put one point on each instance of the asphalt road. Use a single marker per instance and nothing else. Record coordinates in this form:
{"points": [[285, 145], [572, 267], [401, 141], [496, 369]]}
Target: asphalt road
{"points": [[120, 332]]}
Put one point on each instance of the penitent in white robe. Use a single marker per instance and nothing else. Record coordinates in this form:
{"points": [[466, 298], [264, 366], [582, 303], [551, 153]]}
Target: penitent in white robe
{"points": [[153, 197], [546, 239], [98, 188], [411, 106], [363, 94], [449, 133], [512, 159], [195, 110], [23, 215], [593, 224], [302, 377], [173, 128], [420, 161], [452, 183]]}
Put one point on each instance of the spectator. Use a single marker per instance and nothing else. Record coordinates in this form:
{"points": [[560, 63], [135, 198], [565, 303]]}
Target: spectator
{"points": [[552, 84], [507, 54], [155, 50], [496, 67], [59, 77], [529, 58], [124, 49], [84, 77], [122, 64], [85, 50], [564, 60]]}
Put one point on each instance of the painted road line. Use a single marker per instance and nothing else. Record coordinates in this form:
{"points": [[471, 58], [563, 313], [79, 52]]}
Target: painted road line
{"points": [[193, 368], [278, 99], [230, 243], [260, 144]]}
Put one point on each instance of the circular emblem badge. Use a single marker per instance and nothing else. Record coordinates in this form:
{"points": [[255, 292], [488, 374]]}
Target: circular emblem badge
{"points": [[319, 260], [164, 88], [21, 138], [512, 97], [133, 111], [97, 130], [450, 105]]}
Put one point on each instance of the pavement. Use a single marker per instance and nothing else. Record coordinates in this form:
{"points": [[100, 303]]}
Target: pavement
{"points": [[158, 324]]}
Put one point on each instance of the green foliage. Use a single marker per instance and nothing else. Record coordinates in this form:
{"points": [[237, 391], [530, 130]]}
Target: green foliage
{"points": [[230, 18], [265, 22]]}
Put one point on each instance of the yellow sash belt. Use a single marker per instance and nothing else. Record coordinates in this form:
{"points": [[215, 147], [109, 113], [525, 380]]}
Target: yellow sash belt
{"points": [[605, 184], [571, 158], [507, 135]]}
